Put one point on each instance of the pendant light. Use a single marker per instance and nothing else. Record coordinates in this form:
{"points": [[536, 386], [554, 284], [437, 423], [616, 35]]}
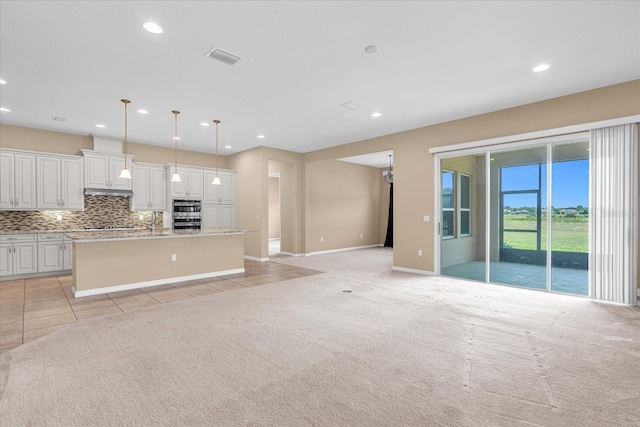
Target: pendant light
{"points": [[176, 175], [216, 179], [388, 177], [125, 172]]}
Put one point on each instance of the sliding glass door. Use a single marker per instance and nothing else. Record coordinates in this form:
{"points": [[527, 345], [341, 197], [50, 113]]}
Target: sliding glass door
{"points": [[518, 217], [528, 227], [570, 218]]}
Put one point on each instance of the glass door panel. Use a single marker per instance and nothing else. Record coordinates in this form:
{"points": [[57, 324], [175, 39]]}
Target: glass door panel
{"points": [[570, 218], [463, 219], [518, 210]]}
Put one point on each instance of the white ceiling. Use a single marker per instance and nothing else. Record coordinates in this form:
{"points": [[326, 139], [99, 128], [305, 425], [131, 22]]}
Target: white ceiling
{"points": [[379, 159], [437, 61]]}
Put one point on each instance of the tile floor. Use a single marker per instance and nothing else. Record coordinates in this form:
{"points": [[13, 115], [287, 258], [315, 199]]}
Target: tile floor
{"points": [[31, 308]]}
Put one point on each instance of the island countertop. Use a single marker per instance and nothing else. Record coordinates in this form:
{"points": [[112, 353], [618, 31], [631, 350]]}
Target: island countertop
{"points": [[107, 235]]}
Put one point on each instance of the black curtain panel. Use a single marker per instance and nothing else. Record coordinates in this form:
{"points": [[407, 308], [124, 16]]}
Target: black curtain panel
{"points": [[389, 240]]}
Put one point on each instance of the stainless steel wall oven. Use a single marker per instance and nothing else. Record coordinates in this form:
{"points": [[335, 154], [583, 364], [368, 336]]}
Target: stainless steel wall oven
{"points": [[187, 214]]}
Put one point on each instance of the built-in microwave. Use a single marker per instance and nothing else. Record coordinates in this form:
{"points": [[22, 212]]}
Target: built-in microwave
{"points": [[187, 214]]}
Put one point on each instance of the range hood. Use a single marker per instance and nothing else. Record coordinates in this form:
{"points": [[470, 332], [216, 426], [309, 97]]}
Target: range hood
{"points": [[107, 192]]}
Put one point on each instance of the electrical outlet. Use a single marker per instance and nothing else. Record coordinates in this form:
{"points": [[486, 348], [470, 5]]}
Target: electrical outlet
{"points": [[419, 252], [140, 217], [59, 217], [322, 239], [361, 236], [173, 257]]}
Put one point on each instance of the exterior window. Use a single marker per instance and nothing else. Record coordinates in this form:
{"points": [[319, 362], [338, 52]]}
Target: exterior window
{"points": [[465, 205], [448, 206]]}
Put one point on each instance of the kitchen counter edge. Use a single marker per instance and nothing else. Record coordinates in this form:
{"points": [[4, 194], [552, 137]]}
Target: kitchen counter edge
{"points": [[99, 236]]}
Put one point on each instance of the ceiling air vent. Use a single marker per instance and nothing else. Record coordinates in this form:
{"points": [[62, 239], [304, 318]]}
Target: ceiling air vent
{"points": [[223, 56], [58, 119]]}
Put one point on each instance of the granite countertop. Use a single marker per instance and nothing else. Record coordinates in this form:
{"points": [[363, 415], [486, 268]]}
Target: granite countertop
{"points": [[31, 231], [145, 234]]}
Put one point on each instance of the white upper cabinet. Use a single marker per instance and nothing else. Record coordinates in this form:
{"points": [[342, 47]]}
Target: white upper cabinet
{"points": [[17, 181], [149, 187], [228, 187], [211, 192], [6, 181], [224, 193], [191, 186], [60, 183], [71, 183], [49, 196], [103, 171]]}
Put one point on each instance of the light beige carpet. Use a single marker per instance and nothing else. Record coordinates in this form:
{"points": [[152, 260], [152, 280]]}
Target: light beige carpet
{"points": [[399, 349]]}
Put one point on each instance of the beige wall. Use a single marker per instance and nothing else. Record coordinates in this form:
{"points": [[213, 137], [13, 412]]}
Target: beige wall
{"points": [[65, 143], [251, 200], [343, 205]]}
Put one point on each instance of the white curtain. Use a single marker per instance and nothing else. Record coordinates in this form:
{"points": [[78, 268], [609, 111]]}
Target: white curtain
{"points": [[613, 214]]}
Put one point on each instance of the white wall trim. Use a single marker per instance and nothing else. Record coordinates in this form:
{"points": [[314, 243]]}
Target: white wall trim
{"points": [[139, 285], [330, 251], [292, 254], [535, 135], [253, 258], [413, 270]]}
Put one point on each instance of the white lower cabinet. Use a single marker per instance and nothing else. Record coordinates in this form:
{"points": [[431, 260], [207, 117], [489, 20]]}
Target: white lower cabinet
{"points": [[50, 252], [67, 254], [55, 252], [22, 254], [18, 254], [219, 216]]}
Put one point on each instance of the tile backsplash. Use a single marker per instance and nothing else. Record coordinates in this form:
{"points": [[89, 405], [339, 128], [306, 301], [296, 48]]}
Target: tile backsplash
{"points": [[98, 211]]}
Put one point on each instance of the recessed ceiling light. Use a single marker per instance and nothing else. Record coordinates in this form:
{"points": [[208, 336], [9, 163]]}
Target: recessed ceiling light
{"points": [[2, 82], [4, 110], [204, 124], [371, 48], [141, 111], [541, 67], [376, 114], [227, 146], [100, 126], [152, 27], [261, 136]]}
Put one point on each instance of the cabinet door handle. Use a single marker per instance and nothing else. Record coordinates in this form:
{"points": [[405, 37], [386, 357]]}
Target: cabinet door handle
{"points": [[16, 202], [11, 203], [62, 202]]}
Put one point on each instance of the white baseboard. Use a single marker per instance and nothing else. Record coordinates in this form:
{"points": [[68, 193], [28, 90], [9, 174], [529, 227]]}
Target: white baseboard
{"points": [[413, 270], [330, 251], [291, 254], [139, 285], [253, 258]]}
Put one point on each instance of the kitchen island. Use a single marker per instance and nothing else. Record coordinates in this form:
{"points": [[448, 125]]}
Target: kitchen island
{"points": [[111, 261]]}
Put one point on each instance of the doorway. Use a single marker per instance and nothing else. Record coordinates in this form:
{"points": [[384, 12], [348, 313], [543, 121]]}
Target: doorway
{"points": [[275, 215]]}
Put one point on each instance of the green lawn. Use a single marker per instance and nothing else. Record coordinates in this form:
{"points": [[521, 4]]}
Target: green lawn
{"points": [[569, 234]]}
